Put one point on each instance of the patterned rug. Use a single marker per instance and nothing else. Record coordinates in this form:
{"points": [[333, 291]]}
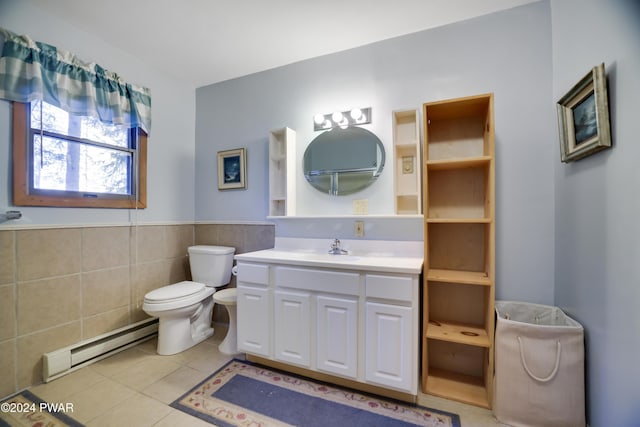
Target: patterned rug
{"points": [[245, 394], [26, 409]]}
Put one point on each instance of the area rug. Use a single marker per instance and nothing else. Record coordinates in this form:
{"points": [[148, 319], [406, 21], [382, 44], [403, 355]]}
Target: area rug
{"points": [[249, 395], [26, 409]]}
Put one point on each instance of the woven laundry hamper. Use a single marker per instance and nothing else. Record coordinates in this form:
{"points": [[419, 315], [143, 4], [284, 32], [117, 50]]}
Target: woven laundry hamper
{"points": [[539, 366]]}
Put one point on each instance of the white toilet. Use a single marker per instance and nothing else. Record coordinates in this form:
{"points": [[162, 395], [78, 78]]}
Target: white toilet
{"points": [[184, 309]]}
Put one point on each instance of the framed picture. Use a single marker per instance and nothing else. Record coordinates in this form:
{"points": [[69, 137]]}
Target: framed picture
{"points": [[583, 117], [232, 169]]}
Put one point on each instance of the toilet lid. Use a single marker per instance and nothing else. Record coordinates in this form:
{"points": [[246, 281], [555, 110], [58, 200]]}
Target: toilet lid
{"points": [[177, 290]]}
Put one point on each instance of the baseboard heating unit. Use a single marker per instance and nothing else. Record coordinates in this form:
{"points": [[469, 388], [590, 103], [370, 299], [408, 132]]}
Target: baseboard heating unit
{"points": [[65, 360]]}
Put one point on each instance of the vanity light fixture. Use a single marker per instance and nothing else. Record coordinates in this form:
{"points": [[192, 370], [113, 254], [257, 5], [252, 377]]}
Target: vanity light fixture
{"points": [[355, 116]]}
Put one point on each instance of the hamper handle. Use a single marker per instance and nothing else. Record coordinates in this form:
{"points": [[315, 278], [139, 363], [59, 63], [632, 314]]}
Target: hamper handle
{"points": [[526, 368]]}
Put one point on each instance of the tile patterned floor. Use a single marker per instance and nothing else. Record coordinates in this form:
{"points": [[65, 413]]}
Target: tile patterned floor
{"points": [[135, 387]]}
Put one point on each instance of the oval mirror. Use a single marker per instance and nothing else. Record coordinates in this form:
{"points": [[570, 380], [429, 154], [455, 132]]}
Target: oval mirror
{"points": [[343, 161]]}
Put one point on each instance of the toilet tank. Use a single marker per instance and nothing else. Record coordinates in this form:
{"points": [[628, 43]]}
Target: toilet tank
{"points": [[211, 265]]}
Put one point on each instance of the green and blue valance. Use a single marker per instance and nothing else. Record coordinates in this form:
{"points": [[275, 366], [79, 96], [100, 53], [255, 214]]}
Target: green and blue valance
{"points": [[31, 70]]}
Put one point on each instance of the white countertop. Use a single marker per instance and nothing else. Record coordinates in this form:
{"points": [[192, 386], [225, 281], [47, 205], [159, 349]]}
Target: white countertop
{"points": [[364, 255]]}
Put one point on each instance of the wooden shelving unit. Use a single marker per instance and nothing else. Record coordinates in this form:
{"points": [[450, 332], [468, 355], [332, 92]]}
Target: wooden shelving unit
{"points": [[459, 279], [406, 154], [282, 163]]}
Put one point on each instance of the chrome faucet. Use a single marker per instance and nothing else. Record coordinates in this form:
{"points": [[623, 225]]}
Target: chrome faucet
{"points": [[336, 249]]}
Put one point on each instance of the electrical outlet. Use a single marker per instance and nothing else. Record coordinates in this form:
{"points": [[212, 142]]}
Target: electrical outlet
{"points": [[358, 228]]}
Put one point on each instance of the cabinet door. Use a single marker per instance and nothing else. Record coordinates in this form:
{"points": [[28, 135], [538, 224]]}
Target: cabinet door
{"points": [[337, 336], [293, 327], [254, 322], [389, 337]]}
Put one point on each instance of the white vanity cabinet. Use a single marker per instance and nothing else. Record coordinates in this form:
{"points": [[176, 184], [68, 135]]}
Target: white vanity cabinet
{"points": [[391, 329], [254, 306], [337, 335], [343, 322], [292, 314]]}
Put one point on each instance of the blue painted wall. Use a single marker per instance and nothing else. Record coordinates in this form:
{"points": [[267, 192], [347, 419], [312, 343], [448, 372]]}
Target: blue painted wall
{"points": [[170, 175], [597, 279], [508, 53]]}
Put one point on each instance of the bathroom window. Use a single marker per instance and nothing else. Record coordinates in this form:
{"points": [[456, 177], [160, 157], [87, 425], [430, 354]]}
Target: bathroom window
{"points": [[66, 160]]}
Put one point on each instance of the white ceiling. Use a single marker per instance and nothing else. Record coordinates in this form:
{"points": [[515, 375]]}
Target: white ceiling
{"points": [[207, 41]]}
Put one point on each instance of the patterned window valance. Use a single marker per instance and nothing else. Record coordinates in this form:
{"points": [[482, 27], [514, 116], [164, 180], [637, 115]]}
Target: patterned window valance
{"points": [[31, 70]]}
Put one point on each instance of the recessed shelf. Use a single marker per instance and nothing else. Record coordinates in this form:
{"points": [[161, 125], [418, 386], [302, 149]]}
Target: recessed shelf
{"points": [[407, 162], [282, 165], [410, 143]]}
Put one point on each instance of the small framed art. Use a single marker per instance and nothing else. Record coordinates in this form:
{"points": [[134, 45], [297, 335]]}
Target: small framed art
{"points": [[232, 169], [583, 117]]}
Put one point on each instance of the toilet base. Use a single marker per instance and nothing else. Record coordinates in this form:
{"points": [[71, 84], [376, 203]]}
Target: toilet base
{"points": [[177, 332], [168, 344]]}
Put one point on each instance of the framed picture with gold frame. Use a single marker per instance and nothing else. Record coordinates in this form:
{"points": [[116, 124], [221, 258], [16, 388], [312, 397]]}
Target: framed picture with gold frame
{"points": [[583, 117], [232, 169]]}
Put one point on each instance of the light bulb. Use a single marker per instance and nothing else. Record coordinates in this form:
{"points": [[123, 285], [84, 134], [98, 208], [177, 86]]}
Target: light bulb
{"points": [[356, 114], [318, 118], [336, 117]]}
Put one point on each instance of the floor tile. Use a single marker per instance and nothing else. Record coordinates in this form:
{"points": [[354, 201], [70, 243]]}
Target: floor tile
{"points": [[175, 384], [179, 418], [137, 411], [140, 375], [63, 387], [117, 363], [209, 362], [98, 399]]}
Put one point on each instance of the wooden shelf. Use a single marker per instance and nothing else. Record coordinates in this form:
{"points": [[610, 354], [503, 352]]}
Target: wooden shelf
{"points": [[458, 163], [459, 238], [459, 220], [457, 276], [452, 385], [462, 334]]}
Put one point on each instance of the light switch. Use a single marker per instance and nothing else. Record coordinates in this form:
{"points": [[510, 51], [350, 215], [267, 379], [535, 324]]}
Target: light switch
{"points": [[407, 165]]}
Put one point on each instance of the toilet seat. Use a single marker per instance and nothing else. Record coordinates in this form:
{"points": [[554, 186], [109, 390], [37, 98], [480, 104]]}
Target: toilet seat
{"points": [[171, 292], [178, 295]]}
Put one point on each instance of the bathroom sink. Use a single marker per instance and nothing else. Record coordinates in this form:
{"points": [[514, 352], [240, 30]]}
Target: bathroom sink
{"points": [[313, 256], [326, 257], [382, 256]]}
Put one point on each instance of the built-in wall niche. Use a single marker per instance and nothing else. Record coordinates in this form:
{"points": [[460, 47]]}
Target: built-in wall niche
{"points": [[282, 172], [407, 167]]}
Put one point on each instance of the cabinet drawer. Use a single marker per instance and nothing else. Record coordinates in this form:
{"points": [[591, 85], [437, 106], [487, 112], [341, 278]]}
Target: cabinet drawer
{"points": [[398, 288], [253, 273], [336, 282]]}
